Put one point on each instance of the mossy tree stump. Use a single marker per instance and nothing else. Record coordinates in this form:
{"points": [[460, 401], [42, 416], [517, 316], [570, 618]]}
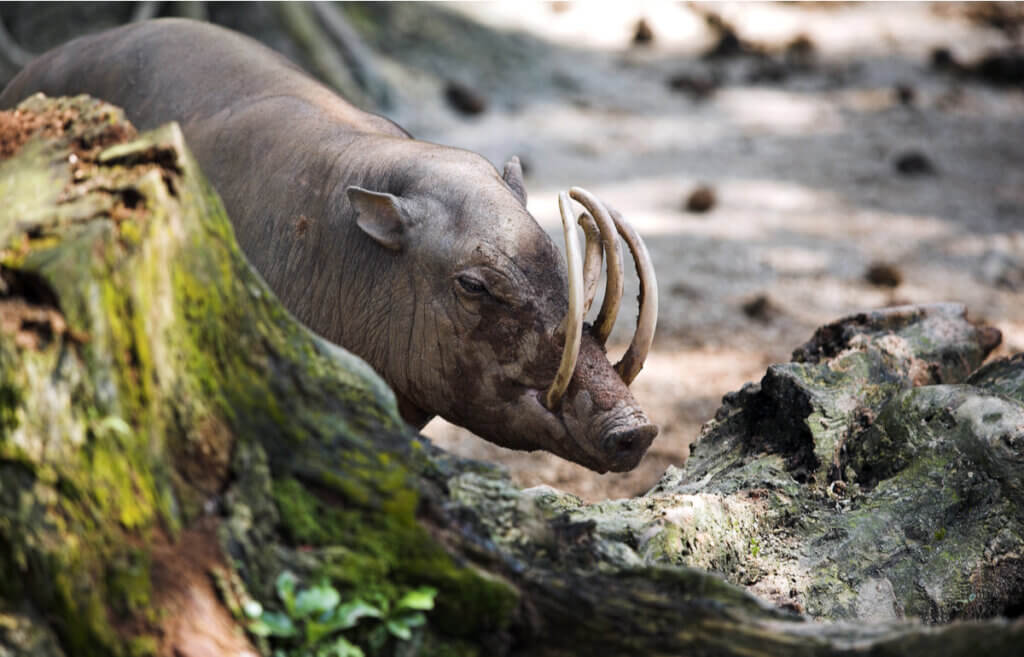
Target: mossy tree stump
{"points": [[171, 440]]}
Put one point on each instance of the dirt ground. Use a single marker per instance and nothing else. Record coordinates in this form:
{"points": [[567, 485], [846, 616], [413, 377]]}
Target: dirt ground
{"points": [[852, 166]]}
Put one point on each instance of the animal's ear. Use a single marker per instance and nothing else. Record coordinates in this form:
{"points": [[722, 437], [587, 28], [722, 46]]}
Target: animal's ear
{"points": [[513, 176], [381, 216]]}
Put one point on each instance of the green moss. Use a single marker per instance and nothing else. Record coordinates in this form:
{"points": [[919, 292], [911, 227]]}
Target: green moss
{"points": [[387, 549], [10, 399], [119, 314], [435, 646], [119, 490], [143, 646], [128, 584], [84, 627]]}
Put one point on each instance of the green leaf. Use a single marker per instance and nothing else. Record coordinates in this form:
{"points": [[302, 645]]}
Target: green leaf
{"points": [[345, 617], [413, 619], [340, 647], [112, 424], [259, 628], [378, 637], [421, 598], [285, 586], [399, 629], [378, 600], [319, 599], [277, 624], [350, 612]]}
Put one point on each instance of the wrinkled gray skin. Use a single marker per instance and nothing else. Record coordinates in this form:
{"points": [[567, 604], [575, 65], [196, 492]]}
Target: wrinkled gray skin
{"points": [[419, 258]]}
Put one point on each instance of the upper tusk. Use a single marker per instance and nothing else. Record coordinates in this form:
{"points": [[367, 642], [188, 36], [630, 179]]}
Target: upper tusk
{"points": [[592, 259], [633, 360], [574, 316], [613, 252]]}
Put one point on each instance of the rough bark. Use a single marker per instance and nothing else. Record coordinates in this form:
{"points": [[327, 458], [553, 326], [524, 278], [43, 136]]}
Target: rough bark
{"points": [[171, 440]]}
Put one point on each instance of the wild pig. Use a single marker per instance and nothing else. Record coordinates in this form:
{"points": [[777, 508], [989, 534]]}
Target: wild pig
{"points": [[421, 259]]}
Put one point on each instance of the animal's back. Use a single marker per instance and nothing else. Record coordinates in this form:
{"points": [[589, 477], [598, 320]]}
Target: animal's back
{"points": [[274, 142], [176, 69]]}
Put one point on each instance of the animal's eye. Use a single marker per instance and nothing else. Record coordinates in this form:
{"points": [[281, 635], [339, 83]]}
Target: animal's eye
{"points": [[472, 285]]}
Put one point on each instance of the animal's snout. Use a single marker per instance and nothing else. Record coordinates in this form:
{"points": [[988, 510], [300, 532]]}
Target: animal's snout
{"points": [[626, 447]]}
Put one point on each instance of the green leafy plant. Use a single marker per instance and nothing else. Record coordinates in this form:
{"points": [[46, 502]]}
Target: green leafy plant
{"points": [[314, 618]]}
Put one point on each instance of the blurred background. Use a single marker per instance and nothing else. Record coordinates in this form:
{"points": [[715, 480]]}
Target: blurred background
{"points": [[786, 163]]}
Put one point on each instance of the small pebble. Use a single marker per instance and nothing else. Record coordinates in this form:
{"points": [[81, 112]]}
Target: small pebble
{"points": [[905, 94], [465, 99], [800, 52], [698, 86], [883, 274], [914, 163], [684, 291], [643, 35], [760, 308], [701, 199], [942, 59]]}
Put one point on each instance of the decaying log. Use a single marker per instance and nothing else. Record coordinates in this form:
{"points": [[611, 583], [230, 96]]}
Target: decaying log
{"points": [[171, 440]]}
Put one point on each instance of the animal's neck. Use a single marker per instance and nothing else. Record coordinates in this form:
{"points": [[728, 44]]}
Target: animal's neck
{"points": [[414, 416]]}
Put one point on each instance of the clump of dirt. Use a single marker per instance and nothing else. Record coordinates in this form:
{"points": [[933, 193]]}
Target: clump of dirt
{"points": [[18, 126]]}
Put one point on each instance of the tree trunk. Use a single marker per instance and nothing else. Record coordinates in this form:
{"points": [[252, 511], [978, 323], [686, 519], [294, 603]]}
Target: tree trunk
{"points": [[171, 440]]}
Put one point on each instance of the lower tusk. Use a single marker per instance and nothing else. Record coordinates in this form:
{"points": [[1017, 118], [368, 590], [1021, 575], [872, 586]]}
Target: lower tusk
{"points": [[613, 252], [633, 360], [592, 259], [574, 317]]}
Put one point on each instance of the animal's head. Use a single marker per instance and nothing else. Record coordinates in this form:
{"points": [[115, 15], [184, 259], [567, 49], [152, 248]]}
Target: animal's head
{"points": [[484, 326]]}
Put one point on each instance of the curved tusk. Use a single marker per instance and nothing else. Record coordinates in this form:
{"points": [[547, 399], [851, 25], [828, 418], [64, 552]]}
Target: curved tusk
{"points": [[613, 252], [633, 360], [592, 259], [574, 316]]}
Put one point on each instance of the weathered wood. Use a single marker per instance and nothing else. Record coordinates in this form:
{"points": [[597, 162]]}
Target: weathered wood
{"points": [[167, 429]]}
